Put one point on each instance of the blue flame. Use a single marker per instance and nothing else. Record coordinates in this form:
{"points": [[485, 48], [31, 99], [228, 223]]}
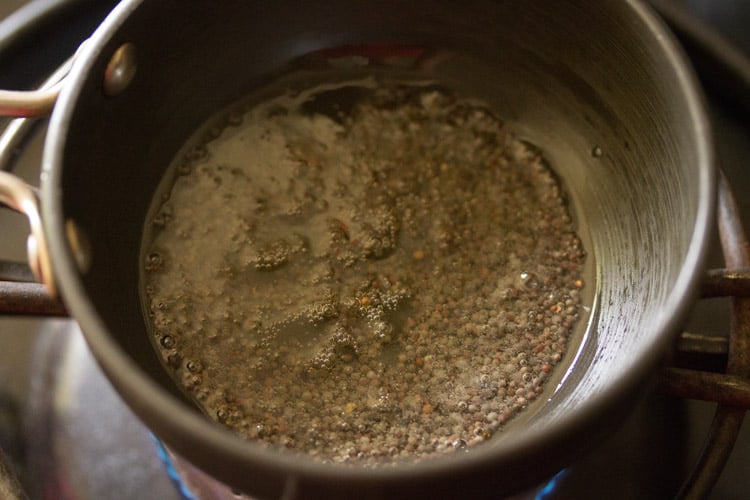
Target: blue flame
{"points": [[184, 490], [549, 489]]}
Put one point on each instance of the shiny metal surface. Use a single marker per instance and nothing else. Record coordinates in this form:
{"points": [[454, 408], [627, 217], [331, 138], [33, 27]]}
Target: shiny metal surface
{"points": [[37, 102], [30, 102], [120, 70], [19, 196]]}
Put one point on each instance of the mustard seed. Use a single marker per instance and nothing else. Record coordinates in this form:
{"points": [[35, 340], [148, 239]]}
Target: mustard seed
{"points": [[392, 282]]}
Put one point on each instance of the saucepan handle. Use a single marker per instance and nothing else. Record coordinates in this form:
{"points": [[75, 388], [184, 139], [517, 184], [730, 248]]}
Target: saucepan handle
{"points": [[21, 297], [21, 197], [37, 102], [29, 103]]}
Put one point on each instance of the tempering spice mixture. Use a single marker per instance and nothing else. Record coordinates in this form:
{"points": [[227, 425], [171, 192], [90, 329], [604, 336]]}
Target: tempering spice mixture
{"points": [[393, 280]]}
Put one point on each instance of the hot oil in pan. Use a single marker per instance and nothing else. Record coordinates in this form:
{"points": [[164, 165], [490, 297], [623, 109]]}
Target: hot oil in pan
{"points": [[362, 271]]}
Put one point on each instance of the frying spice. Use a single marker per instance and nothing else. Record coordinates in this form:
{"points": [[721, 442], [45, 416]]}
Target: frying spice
{"points": [[394, 280]]}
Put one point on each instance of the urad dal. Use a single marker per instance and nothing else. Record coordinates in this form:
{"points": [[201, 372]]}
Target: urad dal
{"points": [[365, 271]]}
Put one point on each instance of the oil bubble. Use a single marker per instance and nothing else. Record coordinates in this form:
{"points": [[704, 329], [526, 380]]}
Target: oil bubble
{"points": [[154, 261]]}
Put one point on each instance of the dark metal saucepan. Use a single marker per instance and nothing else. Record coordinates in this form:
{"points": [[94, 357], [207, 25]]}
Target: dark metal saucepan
{"points": [[600, 86]]}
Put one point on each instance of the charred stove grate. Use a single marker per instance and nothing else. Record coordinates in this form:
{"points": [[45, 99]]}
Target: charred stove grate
{"points": [[731, 389]]}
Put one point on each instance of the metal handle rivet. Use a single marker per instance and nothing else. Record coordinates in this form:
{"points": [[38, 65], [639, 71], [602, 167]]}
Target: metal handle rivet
{"points": [[120, 70]]}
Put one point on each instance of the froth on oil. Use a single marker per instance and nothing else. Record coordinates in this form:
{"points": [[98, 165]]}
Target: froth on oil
{"points": [[364, 271]]}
